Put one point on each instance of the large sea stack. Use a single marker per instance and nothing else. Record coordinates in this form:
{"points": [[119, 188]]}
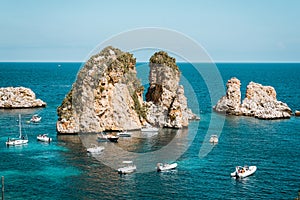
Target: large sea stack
{"points": [[108, 96], [260, 102], [19, 97], [166, 103]]}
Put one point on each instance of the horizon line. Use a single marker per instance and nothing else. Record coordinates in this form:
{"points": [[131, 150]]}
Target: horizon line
{"points": [[76, 61]]}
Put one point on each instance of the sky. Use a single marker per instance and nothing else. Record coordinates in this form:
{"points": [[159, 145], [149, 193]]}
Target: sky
{"points": [[228, 30]]}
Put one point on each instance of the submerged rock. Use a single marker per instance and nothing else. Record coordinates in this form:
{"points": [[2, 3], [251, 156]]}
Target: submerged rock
{"points": [[19, 97], [107, 96], [260, 102]]}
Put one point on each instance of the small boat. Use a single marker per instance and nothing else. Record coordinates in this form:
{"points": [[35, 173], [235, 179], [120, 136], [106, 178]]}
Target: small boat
{"points": [[124, 134], [112, 138], [105, 137], [297, 113], [17, 141], [129, 168], [165, 166], [44, 138], [213, 139], [35, 118], [149, 129], [243, 172], [95, 149]]}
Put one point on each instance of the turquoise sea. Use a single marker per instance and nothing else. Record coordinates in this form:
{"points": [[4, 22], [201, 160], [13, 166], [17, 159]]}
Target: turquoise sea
{"points": [[63, 169]]}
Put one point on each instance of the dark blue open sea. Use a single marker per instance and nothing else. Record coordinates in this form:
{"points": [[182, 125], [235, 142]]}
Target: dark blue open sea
{"points": [[63, 169]]}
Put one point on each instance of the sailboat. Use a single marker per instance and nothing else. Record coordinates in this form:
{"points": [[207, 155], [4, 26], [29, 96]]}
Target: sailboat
{"points": [[17, 141]]}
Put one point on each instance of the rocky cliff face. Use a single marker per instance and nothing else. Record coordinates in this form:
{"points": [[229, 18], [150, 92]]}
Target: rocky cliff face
{"points": [[166, 103], [108, 96], [260, 102], [19, 97], [231, 102], [105, 96]]}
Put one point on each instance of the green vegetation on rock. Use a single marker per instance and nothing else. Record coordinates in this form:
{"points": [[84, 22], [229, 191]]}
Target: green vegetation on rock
{"points": [[163, 58]]}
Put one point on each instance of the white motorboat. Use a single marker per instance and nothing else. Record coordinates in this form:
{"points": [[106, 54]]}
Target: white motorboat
{"points": [[35, 118], [243, 172], [213, 139], [124, 134], [110, 137], [44, 138], [129, 168], [20, 140], [149, 129], [165, 166], [95, 149]]}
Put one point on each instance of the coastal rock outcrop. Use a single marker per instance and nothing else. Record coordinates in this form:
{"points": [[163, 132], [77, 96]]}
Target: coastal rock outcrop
{"points": [[231, 102], [165, 100], [107, 96], [19, 97], [260, 102]]}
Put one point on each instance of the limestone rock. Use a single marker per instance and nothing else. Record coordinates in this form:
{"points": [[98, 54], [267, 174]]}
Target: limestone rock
{"points": [[19, 97], [231, 102], [260, 102], [105, 96], [166, 103]]}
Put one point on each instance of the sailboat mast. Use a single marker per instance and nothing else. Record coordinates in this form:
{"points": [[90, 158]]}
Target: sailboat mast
{"points": [[20, 129]]}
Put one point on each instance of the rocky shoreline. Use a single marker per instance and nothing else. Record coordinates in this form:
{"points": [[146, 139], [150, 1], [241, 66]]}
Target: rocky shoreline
{"points": [[19, 97], [259, 102]]}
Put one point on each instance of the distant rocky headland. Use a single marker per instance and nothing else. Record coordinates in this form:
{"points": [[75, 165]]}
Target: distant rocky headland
{"points": [[19, 97], [260, 102], [108, 96]]}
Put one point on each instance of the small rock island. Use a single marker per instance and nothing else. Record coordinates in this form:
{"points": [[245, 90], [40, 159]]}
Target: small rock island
{"points": [[260, 102], [108, 96], [19, 97]]}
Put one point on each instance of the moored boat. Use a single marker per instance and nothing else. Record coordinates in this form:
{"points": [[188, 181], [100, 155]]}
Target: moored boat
{"points": [[44, 138], [95, 149], [165, 166], [112, 138], [243, 172], [129, 168], [124, 134], [149, 129], [17, 141]]}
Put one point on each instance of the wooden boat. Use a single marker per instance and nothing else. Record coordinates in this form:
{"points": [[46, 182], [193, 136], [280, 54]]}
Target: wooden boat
{"points": [[243, 172], [165, 166], [20, 140], [44, 138], [129, 168]]}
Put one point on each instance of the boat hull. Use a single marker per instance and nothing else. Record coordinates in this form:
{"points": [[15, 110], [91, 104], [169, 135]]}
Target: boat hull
{"points": [[16, 142], [251, 171], [44, 138], [166, 167]]}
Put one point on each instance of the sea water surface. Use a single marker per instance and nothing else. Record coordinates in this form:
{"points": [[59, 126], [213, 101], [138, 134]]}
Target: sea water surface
{"points": [[63, 169]]}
